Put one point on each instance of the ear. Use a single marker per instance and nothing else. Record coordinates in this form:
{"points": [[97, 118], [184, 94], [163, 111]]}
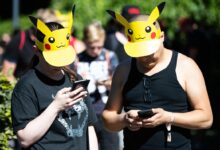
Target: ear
{"points": [[156, 12], [33, 20], [73, 10], [35, 49], [39, 24], [72, 17], [161, 34], [119, 18]]}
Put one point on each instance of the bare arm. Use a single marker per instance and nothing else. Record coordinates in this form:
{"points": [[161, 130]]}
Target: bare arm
{"points": [[112, 116], [36, 128], [201, 115], [93, 141]]}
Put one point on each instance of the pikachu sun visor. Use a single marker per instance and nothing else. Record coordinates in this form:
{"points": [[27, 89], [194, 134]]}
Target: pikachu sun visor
{"points": [[143, 36], [54, 44]]}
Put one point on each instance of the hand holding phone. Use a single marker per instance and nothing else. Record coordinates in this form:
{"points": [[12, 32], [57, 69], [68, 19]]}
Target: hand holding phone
{"points": [[145, 113], [84, 83]]}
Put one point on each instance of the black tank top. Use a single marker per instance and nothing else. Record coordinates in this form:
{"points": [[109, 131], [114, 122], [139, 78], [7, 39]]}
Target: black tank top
{"points": [[160, 90]]}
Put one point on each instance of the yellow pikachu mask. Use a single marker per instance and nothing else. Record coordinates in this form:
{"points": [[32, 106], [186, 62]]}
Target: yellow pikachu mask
{"points": [[143, 36], [55, 45]]}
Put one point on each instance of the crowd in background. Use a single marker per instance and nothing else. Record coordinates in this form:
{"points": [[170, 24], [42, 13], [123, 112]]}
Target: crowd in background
{"points": [[194, 39]]}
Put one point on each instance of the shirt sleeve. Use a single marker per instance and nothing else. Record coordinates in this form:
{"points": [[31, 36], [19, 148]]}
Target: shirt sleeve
{"points": [[24, 108]]}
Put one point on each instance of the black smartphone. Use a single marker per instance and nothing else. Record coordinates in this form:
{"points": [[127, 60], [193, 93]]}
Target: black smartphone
{"points": [[84, 83], [145, 113]]}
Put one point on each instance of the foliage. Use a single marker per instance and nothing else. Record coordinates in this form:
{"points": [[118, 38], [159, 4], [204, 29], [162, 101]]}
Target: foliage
{"points": [[88, 10], [6, 25], [6, 132]]}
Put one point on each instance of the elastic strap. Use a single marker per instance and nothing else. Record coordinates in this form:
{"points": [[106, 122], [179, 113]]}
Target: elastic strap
{"points": [[22, 41]]}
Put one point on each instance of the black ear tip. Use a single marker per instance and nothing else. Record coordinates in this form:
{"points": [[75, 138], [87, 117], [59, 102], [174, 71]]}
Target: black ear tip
{"points": [[73, 8], [161, 6], [112, 13], [33, 20]]}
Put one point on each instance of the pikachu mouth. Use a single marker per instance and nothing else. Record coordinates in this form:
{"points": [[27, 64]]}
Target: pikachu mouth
{"points": [[140, 38], [60, 46]]}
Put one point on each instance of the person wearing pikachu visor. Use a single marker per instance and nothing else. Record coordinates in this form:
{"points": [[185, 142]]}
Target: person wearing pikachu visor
{"points": [[46, 112], [161, 91]]}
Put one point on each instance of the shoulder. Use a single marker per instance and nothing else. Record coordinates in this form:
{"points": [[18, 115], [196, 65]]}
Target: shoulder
{"points": [[187, 67], [186, 62], [26, 81]]}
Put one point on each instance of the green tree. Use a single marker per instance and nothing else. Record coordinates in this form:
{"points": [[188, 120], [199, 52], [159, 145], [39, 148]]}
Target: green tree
{"points": [[88, 10], [6, 132]]}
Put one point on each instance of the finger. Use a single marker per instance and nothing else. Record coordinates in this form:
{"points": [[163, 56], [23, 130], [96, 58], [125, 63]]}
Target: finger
{"points": [[82, 94], [148, 125], [76, 91], [156, 110], [74, 102], [64, 90]]}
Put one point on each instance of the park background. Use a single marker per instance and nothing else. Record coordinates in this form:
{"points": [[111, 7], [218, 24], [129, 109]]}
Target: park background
{"points": [[180, 20]]}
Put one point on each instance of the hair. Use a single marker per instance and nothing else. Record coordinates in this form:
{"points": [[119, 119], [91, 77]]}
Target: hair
{"points": [[94, 32], [47, 15], [144, 18], [35, 60]]}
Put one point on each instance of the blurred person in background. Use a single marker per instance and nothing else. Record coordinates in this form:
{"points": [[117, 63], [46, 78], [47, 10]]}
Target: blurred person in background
{"points": [[98, 64], [168, 84], [5, 39]]}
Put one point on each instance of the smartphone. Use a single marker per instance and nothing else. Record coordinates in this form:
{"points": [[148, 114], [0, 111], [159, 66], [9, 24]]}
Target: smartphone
{"points": [[145, 113], [84, 83]]}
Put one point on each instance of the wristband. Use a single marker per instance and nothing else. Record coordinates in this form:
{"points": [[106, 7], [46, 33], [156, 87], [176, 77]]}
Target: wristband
{"points": [[168, 126]]}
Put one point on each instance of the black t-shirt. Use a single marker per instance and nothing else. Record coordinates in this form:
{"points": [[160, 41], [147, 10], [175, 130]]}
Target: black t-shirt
{"points": [[32, 94], [20, 54]]}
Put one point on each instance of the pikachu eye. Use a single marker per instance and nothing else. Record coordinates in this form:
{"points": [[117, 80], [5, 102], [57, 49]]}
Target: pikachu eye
{"points": [[51, 39], [148, 29], [68, 36], [130, 31]]}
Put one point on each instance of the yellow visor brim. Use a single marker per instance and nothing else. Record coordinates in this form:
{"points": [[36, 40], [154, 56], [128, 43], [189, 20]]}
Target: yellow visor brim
{"points": [[140, 49], [60, 58]]}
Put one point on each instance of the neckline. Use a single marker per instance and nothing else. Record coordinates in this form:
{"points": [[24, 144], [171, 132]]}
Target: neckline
{"points": [[48, 80], [155, 74]]}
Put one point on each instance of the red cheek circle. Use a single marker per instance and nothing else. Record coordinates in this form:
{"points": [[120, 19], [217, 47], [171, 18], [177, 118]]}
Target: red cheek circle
{"points": [[47, 46], [129, 38], [153, 35]]}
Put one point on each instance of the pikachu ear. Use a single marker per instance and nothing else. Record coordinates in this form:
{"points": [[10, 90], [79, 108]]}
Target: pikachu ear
{"points": [[40, 25], [33, 20], [156, 12], [71, 17], [73, 10], [119, 18]]}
